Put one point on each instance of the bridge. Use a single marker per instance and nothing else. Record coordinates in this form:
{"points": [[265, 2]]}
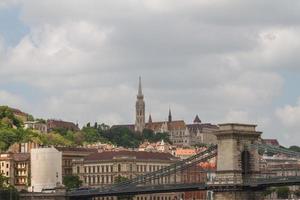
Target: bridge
{"points": [[237, 176]]}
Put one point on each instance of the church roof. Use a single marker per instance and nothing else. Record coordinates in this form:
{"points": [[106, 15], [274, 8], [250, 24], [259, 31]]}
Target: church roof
{"points": [[197, 119], [195, 127], [139, 155], [173, 125]]}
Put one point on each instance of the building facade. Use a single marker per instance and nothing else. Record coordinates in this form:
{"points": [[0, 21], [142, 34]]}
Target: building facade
{"points": [[72, 153], [102, 169], [36, 125], [16, 167]]}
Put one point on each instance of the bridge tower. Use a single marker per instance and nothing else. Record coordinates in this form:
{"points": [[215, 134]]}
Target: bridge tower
{"points": [[236, 162]]}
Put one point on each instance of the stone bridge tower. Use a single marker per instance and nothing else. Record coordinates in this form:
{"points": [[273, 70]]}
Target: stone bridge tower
{"points": [[236, 161]]}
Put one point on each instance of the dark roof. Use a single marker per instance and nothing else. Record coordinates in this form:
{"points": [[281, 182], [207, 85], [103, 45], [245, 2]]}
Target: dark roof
{"points": [[53, 123], [78, 149], [139, 155], [129, 126], [197, 119], [195, 127], [21, 156]]}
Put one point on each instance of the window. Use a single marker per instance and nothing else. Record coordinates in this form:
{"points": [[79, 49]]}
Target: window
{"points": [[111, 168], [106, 168], [78, 169], [119, 167], [94, 169], [98, 169]]}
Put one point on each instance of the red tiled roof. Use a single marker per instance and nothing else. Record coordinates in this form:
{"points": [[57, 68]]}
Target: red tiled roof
{"points": [[139, 155], [271, 142], [52, 123]]}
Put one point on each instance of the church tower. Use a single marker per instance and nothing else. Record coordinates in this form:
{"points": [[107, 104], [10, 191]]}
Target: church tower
{"points": [[140, 110], [170, 116]]}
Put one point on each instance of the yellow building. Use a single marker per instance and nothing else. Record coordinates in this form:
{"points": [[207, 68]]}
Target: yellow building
{"points": [[101, 169], [16, 166]]}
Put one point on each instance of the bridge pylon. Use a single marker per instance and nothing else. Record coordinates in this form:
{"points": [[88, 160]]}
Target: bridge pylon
{"points": [[236, 161]]}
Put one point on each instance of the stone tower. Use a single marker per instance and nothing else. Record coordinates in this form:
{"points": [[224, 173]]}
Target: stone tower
{"points": [[140, 110], [237, 162]]}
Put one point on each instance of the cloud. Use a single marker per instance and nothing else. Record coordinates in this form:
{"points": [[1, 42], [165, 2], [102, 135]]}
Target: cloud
{"points": [[220, 59], [289, 115], [10, 99]]}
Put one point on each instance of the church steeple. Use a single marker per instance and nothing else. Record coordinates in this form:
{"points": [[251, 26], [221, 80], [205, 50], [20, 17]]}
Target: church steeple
{"points": [[140, 110], [170, 115], [150, 119], [140, 93]]}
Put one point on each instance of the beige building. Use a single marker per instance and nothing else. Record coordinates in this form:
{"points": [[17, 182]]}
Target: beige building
{"points": [[72, 153], [35, 125], [100, 169], [16, 166]]}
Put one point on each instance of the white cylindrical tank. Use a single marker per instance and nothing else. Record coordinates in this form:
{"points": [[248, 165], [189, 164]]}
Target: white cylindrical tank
{"points": [[46, 168]]}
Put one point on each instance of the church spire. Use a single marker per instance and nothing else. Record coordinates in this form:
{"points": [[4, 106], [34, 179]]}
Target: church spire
{"points": [[170, 115], [140, 110], [140, 93], [150, 119]]}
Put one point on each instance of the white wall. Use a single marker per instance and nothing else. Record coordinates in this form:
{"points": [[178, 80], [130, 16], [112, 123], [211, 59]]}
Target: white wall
{"points": [[46, 168]]}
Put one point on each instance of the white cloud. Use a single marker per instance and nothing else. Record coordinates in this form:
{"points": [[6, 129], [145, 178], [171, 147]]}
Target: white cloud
{"points": [[9, 99], [218, 59], [289, 115], [237, 116]]}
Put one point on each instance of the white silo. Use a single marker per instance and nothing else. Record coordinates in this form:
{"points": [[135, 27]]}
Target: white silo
{"points": [[46, 168]]}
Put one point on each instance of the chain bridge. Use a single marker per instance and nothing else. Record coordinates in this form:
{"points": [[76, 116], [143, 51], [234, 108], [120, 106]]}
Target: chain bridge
{"points": [[237, 175]]}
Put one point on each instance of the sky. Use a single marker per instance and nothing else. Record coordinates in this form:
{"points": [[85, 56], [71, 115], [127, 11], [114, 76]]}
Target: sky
{"points": [[225, 60]]}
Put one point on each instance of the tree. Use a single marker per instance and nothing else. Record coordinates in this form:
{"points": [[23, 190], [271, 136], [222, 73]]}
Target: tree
{"points": [[295, 148], [3, 181], [72, 182], [7, 118], [283, 192]]}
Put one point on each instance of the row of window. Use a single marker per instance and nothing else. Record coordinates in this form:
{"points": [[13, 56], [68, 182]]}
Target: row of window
{"points": [[96, 169], [94, 180], [2, 164], [109, 168]]}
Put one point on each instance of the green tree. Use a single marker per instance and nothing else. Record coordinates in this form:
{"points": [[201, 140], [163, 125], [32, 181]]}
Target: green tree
{"points": [[72, 182], [294, 148], [283, 192], [7, 118], [3, 181]]}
